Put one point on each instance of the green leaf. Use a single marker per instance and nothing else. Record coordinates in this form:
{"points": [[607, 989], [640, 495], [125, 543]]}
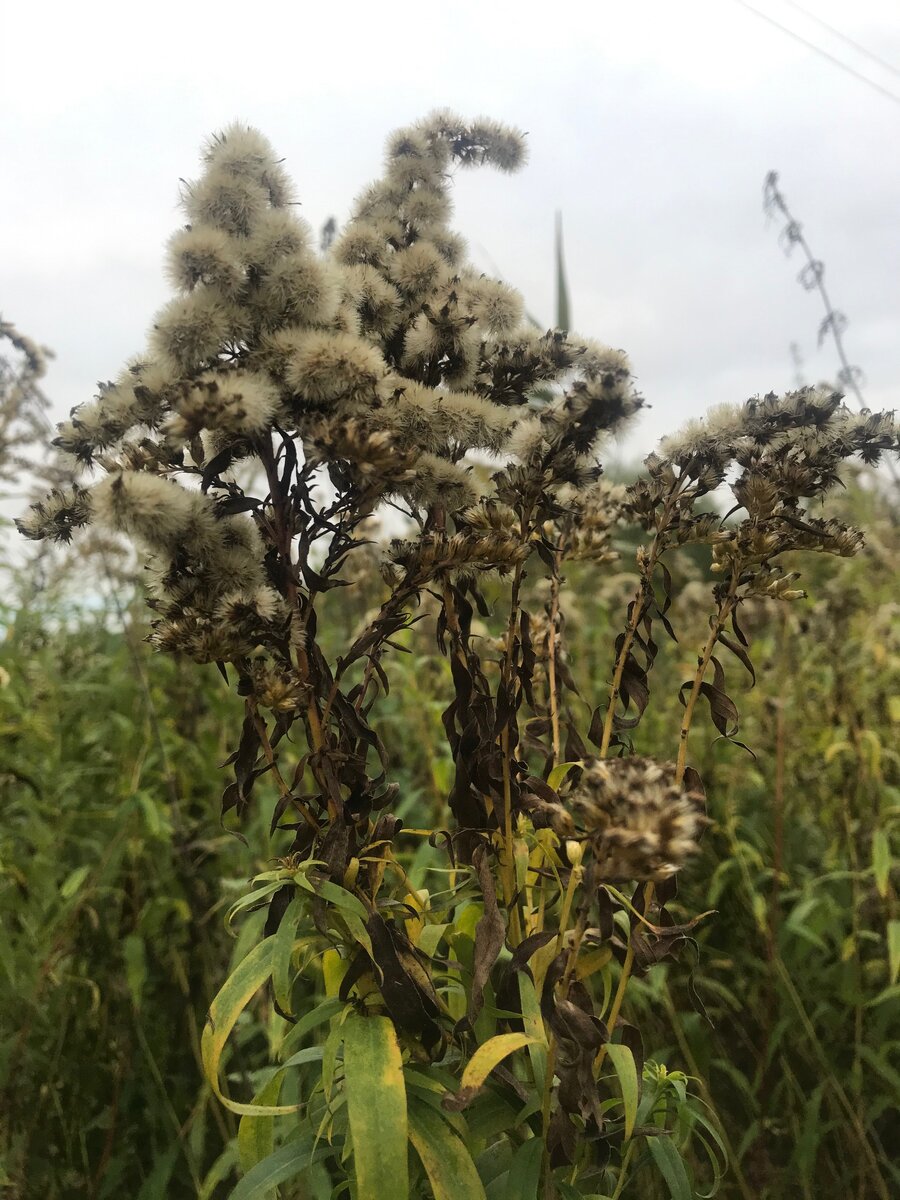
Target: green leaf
{"points": [[534, 1027], [256, 1135], [287, 1162], [252, 900], [487, 1057], [568, 1192], [335, 895], [376, 1107], [310, 1054], [893, 943], [525, 1171], [156, 1185], [350, 907], [561, 770], [330, 1050], [882, 1068], [219, 1171], [881, 862], [73, 882], [671, 1167], [135, 955], [234, 996], [563, 315], [283, 952], [444, 1156], [318, 1016], [888, 993], [623, 1061]]}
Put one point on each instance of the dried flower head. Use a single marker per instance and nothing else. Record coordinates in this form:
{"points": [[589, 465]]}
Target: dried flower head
{"points": [[640, 824], [54, 518]]}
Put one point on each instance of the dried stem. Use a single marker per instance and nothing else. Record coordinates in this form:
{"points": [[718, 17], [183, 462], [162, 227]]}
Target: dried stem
{"points": [[551, 656], [640, 605], [717, 625]]}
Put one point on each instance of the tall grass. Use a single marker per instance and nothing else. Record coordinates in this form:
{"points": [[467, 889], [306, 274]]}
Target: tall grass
{"points": [[446, 984], [113, 899]]}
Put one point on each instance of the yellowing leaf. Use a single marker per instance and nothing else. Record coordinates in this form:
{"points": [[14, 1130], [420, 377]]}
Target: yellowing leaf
{"points": [[893, 941], [446, 1160], [881, 861], [623, 1061], [234, 996], [487, 1057], [334, 968], [592, 961], [376, 1107]]}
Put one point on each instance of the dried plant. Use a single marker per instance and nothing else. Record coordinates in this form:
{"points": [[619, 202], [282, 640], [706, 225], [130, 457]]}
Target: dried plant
{"points": [[812, 278], [23, 405], [388, 374]]}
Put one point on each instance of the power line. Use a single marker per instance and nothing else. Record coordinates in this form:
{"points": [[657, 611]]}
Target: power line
{"points": [[837, 62], [843, 37]]}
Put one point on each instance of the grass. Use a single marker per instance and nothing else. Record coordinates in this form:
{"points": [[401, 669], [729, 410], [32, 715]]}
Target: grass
{"points": [[115, 875]]}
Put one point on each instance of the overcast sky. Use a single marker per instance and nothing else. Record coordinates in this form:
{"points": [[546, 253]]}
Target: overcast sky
{"points": [[651, 125]]}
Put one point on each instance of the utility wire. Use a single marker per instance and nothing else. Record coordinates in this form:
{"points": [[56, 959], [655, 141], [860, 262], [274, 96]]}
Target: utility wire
{"points": [[837, 62], [843, 37]]}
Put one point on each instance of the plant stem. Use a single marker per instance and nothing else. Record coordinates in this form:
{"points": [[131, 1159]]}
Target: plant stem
{"points": [[551, 659], [283, 788], [507, 684], [640, 605], [726, 607], [627, 967], [623, 1171]]}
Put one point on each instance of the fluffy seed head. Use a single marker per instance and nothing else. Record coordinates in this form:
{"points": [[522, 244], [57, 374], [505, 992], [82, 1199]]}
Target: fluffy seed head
{"points": [[297, 290], [639, 823], [497, 306], [204, 255], [192, 331], [417, 270], [325, 367], [235, 402], [277, 234], [231, 203], [243, 153], [55, 517]]}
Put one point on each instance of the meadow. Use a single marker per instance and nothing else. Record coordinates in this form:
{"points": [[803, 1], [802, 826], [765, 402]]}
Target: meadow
{"points": [[117, 875], [535, 843]]}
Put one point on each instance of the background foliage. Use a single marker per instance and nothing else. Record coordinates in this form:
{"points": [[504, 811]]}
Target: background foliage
{"points": [[115, 876]]}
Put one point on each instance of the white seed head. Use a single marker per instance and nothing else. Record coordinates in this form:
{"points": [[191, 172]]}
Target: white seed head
{"points": [[192, 331], [205, 255], [326, 367]]}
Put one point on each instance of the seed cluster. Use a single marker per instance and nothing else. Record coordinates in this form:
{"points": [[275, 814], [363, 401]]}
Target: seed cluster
{"points": [[639, 823]]}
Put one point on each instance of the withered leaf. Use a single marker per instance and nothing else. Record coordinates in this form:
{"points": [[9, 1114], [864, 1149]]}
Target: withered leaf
{"points": [[490, 934]]}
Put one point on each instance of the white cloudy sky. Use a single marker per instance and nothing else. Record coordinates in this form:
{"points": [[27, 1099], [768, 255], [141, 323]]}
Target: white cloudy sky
{"points": [[651, 126]]}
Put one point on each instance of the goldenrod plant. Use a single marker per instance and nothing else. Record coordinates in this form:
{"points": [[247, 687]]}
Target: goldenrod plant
{"points": [[449, 996]]}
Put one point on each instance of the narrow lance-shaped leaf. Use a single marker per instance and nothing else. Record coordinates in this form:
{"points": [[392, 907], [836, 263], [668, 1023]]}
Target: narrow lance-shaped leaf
{"points": [[447, 1162], [671, 1166], [563, 312], [482, 1062], [287, 1162], [234, 996], [376, 1106], [623, 1061]]}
